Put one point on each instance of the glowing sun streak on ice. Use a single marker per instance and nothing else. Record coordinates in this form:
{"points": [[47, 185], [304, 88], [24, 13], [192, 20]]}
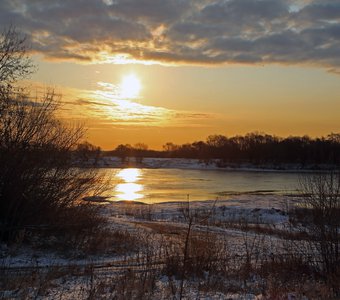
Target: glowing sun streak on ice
{"points": [[129, 190]]}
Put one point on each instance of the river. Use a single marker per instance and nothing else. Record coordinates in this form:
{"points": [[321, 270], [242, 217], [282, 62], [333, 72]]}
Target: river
{"points": [[163, 185]]}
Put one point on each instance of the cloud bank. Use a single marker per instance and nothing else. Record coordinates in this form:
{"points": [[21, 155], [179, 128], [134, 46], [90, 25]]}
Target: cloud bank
{"points": [[181, 31]]}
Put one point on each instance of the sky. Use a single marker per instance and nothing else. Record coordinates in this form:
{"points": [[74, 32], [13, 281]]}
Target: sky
{"points": [[157, 71]]}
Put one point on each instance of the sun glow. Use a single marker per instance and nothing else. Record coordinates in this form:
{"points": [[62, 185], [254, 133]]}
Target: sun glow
{"points": [[129, 175], [129, 189], [130, 87], [109, 105]]}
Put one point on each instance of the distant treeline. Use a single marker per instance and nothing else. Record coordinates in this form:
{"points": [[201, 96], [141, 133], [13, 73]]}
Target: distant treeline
{"points": [[254, 148]]}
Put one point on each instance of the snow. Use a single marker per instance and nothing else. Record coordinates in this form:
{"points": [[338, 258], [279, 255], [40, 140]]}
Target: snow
{"points": [[212, 164], [121, 214], [268, 210]]}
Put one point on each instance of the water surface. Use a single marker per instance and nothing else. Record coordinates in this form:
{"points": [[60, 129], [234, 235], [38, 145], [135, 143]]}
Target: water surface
{"points": [[162, 185]]}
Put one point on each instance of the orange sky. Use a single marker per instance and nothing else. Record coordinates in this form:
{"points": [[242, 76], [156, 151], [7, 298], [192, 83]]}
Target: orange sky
{"points": [[178, 70], [186, 103]]}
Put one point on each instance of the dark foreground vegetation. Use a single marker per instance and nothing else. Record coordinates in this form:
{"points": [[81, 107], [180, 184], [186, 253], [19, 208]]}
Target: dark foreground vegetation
{"points": [[39, 188], [204, 252], [254, 148]]}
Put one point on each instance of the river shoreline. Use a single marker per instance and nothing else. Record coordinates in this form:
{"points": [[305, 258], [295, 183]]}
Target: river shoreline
{"points": [[198, 164]]}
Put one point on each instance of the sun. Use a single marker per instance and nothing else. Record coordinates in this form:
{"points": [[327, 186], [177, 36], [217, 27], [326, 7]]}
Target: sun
{"points": [[130, 86]]}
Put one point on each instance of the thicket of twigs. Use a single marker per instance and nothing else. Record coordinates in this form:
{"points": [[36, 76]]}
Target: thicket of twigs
{"points": [[40, 190]]}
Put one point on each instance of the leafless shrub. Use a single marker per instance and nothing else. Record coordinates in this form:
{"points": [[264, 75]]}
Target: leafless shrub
{"points": [[302, 287], [104, 241], [39, 187], [14, 61], [38, 184], [318, 217], [138, 210], [194, 254]]}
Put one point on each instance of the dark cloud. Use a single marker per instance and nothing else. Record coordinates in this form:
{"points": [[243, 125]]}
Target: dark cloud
{"points": [[151, 11], [243, 12], [322, 11], [182, 31]]}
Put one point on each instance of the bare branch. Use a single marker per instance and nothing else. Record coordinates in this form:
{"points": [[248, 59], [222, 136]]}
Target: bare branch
{"points": [[15, 63]]}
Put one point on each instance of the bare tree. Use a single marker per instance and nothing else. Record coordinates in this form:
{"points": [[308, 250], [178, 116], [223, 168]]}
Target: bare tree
{"points": [[318, 220], [88, 153], [14, 61], [39, 184], [140, 149], [124, 152], [321, 217]]}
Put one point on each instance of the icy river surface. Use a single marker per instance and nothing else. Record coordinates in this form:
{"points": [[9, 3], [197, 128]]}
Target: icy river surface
{"points": [[162, 185]]}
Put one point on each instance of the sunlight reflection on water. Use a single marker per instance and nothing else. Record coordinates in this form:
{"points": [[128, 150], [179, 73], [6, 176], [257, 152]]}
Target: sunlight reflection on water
{"points": [[163, 185], [129, 189]]}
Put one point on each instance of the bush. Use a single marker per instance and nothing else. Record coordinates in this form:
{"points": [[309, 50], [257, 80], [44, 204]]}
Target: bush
{"points": [[318, 219], [39, 186]]}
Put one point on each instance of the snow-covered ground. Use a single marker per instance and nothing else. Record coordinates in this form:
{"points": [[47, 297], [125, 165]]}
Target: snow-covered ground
{"points": [[263, 210], [212, 164], [269, 210]]}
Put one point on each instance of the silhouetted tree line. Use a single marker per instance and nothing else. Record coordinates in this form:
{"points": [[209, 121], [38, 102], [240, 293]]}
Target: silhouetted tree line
{"points": [[86, 152], [139, 151], [255, 148]]}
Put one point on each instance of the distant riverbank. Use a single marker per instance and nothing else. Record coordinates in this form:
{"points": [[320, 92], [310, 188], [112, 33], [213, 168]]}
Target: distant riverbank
{"points": [[197, 164]]}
